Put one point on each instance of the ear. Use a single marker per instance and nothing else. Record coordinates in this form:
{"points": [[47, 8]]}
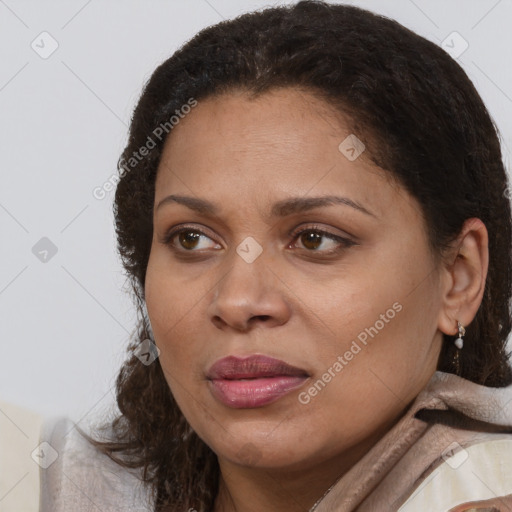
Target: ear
{"points": [[463, 277]]}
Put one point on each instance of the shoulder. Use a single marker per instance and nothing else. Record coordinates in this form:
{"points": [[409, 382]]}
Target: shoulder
{"points": [[19, 473], [76, 476], [481, 471]]}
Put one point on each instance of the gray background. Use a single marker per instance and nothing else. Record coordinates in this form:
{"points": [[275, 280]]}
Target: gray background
{"points": [[65, 321]]}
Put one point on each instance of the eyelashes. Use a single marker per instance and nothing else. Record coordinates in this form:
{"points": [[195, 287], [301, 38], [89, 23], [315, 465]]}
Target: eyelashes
{"points": [[192, 237], [342, 242], [169, 237]]}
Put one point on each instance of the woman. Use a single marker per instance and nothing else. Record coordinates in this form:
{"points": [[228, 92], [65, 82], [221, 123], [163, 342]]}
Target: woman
{"points": [[313, 211]]}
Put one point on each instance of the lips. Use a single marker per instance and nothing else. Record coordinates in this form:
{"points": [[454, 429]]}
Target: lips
{"points": [[253, 381]]}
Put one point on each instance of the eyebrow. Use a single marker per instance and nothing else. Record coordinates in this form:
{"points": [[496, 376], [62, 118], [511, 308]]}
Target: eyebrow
{"points": [[279, 209]]}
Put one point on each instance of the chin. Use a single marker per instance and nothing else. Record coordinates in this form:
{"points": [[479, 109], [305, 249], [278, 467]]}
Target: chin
{"points": [[278, 453]]}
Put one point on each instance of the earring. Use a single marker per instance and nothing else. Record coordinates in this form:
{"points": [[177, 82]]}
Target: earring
{"points": [[459, 343]]}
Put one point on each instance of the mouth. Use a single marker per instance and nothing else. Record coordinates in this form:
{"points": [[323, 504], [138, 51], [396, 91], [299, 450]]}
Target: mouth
{"points": [[255, 381]]}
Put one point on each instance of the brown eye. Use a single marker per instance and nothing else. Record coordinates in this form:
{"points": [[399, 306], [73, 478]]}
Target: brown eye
{"points": [[320, 241], [311, 240], [187, 240]]}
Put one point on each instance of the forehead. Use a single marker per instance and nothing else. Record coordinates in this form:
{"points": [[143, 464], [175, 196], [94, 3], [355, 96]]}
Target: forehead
{"points": [[285, 142], [287, 119]]}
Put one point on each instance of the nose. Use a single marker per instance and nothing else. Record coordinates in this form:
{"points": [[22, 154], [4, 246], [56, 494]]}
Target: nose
{"points": [[249, 295]]}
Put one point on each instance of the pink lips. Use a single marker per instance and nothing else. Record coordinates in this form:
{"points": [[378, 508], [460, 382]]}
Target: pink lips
{"points": [[253, 381]]}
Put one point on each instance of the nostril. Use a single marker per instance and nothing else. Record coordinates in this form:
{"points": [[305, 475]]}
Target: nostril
{"points": [[261, 317], [218, 322]]}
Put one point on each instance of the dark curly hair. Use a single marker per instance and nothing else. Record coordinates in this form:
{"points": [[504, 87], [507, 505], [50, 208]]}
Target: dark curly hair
{"points": [[423, 122]]}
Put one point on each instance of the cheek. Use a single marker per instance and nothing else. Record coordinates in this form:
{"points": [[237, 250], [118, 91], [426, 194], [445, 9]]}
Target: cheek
{"points": [[372, 374], [384, 351], [167, 306], [176, 307], [172, 296]]}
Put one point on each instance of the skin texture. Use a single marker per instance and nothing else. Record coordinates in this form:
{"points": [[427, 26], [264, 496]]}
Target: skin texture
{"points": [[295, 302]]}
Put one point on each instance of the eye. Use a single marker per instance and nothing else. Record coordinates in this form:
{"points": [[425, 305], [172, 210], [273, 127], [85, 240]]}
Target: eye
{"points": [[314, 239], [188, 239]]}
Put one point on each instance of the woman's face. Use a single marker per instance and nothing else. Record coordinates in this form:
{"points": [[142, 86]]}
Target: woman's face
{"points": [[340, 298]]}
